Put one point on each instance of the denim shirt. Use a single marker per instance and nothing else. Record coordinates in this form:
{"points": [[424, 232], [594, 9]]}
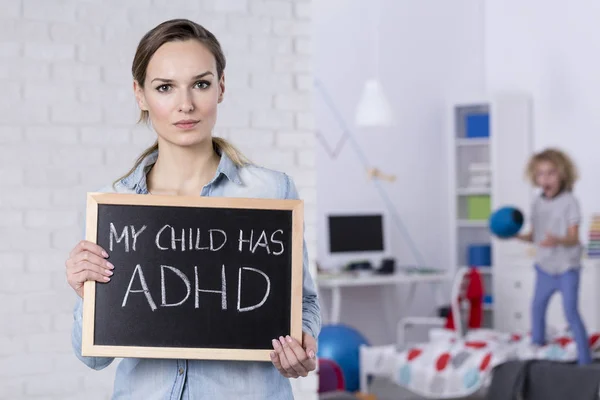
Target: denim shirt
{"points": [[167, 379]]}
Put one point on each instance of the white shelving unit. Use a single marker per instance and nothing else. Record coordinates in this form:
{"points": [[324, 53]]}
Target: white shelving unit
{"points": [[473, 191], [502, 156], [469, 156], [470, 142]]}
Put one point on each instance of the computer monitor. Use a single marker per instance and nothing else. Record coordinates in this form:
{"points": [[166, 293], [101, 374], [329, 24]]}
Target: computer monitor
{"points": [[357, 237]]}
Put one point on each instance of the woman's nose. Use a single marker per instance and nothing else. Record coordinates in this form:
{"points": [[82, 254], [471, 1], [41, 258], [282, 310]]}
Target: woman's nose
{"points": [[186, 103]]}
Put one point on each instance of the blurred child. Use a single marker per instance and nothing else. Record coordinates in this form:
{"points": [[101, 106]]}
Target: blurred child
{"points": [[555, 219]]}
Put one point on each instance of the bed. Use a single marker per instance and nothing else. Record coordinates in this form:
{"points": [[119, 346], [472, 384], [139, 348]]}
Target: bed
{"points": [[451, 368]]}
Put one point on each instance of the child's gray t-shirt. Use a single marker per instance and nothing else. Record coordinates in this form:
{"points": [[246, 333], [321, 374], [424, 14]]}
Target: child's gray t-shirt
{"points": [[556, 215]]}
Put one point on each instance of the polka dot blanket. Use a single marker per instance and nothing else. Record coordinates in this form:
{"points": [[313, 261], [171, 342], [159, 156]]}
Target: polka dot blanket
{"points": [[449, 368]]}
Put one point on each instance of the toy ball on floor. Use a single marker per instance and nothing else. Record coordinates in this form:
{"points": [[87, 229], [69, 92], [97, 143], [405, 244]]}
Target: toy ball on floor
{"points": [[341, 344], [506, 222], [331, 377]]}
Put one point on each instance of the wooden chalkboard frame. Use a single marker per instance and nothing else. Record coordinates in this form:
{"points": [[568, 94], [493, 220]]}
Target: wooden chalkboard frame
{"points": [[95, 199]]}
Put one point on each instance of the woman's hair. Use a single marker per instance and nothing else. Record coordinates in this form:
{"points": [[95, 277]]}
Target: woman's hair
{"points": [[566, 167], [171, 31]]}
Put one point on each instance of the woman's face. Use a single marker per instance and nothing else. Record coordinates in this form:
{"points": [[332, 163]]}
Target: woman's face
{"points": [[181, 92]]}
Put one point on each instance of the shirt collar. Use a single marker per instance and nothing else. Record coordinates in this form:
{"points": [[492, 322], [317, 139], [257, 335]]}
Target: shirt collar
{"points": [[228, 168], [136, 181]]}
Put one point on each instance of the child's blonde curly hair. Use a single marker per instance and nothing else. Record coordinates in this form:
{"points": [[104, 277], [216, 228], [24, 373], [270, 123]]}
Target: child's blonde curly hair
{"points": [[566, 167]]}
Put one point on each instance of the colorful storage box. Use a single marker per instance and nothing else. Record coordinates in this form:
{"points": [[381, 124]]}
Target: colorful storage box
{"points": [[479, 207], [477, 125], [593, 247], [479, 255]]}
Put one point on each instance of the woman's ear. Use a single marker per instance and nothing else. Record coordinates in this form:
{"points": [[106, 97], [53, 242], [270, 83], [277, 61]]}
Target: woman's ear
{"points": [[221, 87], [139, 96]]}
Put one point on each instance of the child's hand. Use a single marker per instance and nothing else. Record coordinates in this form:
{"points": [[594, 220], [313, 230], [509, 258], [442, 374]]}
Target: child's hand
{"points": [[293, 360], [549, 241]]}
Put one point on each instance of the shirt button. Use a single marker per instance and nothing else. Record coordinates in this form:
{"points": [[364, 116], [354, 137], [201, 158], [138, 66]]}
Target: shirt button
{"points": [[180, 371]]}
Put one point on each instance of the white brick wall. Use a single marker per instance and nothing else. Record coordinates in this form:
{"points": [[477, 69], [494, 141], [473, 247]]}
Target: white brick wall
{"points": [[67, 125]]}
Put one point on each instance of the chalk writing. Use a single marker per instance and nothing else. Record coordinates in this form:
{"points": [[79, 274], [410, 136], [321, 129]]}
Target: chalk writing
{"points": [[163, 288], [223, 290], [145, 290], [194, 242], [124, 236], [171, 238], [139, 273], [239, 300], [261, 241], [114, 234]]}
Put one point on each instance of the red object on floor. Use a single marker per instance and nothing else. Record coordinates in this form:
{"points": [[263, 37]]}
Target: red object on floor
{"points": [[331, 377], [474, 294]]}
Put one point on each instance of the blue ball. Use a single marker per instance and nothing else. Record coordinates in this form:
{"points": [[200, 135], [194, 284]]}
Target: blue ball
{"points": [[506, 222], [341, 344]]}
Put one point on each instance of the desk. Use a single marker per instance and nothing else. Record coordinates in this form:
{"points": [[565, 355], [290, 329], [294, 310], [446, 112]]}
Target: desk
{"points": [[335, 282]]}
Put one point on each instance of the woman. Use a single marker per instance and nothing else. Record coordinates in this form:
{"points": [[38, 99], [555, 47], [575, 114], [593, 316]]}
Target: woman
{"points": [[178, 83]]}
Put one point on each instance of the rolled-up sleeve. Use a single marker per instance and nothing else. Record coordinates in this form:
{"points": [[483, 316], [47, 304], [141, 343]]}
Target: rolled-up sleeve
{"points": [[96, 363], [311, 309], [573, 212]]}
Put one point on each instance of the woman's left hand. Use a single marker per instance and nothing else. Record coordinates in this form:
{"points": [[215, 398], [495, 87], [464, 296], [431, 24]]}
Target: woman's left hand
{"points": [[293, 359]]}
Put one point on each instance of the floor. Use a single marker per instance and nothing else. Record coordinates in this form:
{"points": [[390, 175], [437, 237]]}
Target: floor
{"points": [[384, 390]]}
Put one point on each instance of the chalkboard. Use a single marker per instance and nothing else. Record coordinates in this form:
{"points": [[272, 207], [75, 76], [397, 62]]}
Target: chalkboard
{"points": [[194, 277]]}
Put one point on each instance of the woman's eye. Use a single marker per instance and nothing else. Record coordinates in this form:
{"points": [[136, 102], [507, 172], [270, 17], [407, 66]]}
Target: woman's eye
{"points": [[202, 84], [163, 88]]}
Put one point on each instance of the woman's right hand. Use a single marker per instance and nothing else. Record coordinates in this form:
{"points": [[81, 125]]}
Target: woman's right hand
{"points": [[87, 262]]}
